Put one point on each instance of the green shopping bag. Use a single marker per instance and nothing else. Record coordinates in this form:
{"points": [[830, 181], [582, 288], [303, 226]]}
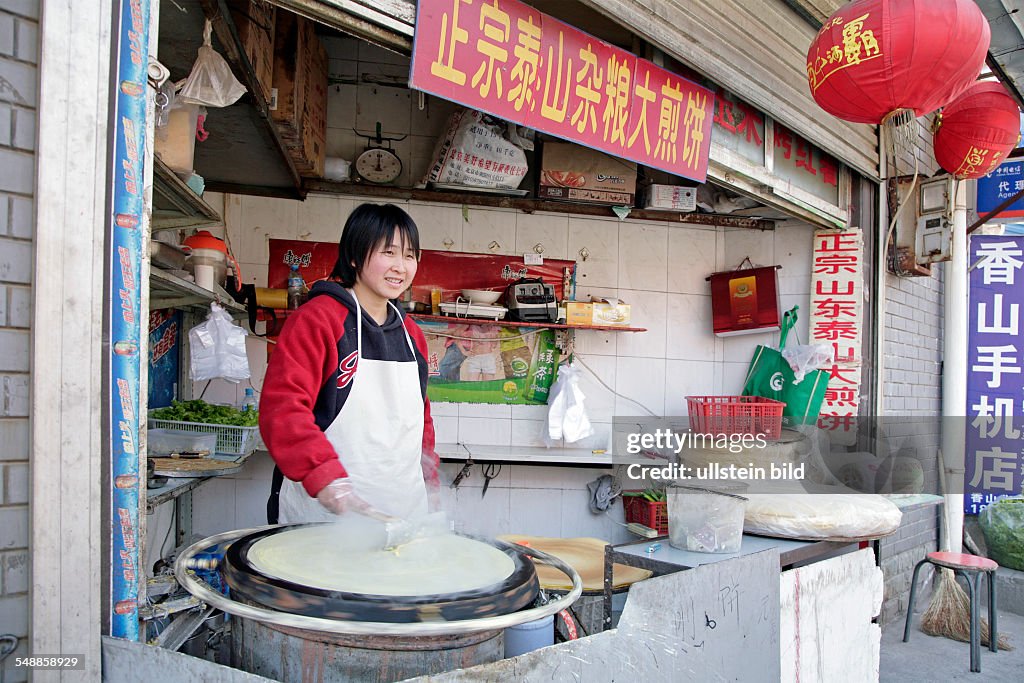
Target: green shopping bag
{"points": [[770, 376]]}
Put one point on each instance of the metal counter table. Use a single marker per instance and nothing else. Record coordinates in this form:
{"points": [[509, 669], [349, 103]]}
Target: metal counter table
{"points": [[667, 559]]}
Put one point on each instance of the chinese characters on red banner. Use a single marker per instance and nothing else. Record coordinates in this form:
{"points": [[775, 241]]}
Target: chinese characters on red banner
{"points": [[837, 296], [511, 61]]}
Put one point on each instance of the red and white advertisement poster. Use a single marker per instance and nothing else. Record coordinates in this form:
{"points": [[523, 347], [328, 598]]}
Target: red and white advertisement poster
{"points": [[837, 318], [507, 59]]}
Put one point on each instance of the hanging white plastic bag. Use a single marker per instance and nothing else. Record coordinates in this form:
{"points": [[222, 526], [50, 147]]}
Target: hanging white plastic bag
{"points": [[804, 358], [567, 417], [211, 83], [218, 348]]}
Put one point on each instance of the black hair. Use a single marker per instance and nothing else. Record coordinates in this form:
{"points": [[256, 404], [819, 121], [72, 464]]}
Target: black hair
{"points": [[368, 226]]}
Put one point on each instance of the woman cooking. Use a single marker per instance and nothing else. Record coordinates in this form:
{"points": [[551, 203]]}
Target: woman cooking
{"points": [[344, 411]]}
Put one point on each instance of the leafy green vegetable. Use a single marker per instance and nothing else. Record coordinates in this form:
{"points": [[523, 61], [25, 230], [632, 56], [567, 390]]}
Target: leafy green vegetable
{"points": [[1002, 523], [206, 413]]}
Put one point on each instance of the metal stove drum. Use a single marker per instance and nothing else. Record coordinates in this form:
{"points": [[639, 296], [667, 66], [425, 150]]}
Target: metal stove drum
{"points": [[290, 628]]}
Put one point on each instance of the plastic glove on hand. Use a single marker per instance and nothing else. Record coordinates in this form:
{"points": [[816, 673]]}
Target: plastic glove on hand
{"points": [[340, 497]]}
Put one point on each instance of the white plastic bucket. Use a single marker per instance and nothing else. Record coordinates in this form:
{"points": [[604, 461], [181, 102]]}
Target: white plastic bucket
{"points": [[530, 636]]}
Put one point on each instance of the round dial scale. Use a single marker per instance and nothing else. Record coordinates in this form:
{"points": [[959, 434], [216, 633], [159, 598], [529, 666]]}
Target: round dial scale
{"points": [[378, 165]]}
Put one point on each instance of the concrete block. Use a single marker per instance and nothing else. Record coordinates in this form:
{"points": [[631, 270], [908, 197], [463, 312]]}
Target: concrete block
{"points": [[13, 528], [14, 567], [14, 350], [6, 125], [6, 35], [19, 307], [15, 256], [24, 131], [14, 615], [17, 484], [22, 221], [22, 85], [25, 8], [27, 40], [19, 171], [14, 439]]}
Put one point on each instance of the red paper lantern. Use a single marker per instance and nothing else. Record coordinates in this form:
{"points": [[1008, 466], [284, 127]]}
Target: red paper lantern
{"points": [[875, 57], [977, 130]]}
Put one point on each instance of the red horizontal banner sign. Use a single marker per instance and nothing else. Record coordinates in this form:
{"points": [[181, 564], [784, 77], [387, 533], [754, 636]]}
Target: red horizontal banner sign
{"points": [[509, 60]]}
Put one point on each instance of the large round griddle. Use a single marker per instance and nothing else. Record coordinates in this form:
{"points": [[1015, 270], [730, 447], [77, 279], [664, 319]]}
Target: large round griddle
{"points": [[250, 583]]}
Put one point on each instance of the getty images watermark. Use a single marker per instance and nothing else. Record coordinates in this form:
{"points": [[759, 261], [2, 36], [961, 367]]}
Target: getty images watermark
{"points": [[661, 442]]}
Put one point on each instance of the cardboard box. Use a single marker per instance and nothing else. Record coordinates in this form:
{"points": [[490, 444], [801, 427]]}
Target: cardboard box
{"points": [[254, 20], [581, 174], [669, 197], [604, 312], [300, 81]]}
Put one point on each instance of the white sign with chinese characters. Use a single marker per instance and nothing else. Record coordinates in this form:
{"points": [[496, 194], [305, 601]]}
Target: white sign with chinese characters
{"points": [[837, 318]]}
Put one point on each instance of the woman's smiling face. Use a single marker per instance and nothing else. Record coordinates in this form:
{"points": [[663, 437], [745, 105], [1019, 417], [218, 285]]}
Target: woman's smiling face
{"points": [[389, 269]]}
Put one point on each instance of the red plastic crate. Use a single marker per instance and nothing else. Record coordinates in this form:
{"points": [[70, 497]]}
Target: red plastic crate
{"points": [[724, 415], [646, 512]]}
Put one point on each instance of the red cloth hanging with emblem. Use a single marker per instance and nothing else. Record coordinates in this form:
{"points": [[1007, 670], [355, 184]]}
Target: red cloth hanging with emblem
{"points": [[977, 130], [874, 57]]}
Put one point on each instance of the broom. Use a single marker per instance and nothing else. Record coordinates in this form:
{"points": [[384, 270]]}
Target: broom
{"points": [[949, 613]]}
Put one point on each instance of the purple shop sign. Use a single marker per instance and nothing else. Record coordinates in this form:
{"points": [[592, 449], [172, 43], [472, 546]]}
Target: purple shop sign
{"points": [[995, 378]]}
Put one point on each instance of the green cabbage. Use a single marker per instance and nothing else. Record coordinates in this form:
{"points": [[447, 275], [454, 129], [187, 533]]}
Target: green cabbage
{"points": [[1002, 523]]}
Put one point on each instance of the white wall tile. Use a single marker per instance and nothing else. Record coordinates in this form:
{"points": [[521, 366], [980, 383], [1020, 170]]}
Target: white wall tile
{"points": [[600, 239], [535, 512], [548, 477], [788, 301], [740, 349], [686, 378], [689, 334], [485, 431], [733, 374], [793, 245], [444, 409], [740, 243], [446, 429], [599, 440], [579, 522], [438, 223], [551, 231], [643, 256], [648, 310], [213, 508], [482, 516], [251, 503], [343, 143], [485, 227], [493, 412], [388, 106], [599, 401], [254, 273], [643, 381], [432, 120], [529, 412], [341, 103], [531, 433], [262, 218], [691, 258], [594, 341], [322, 217]]}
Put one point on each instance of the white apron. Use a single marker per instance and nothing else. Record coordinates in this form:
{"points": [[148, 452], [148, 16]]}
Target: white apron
{"points": [[378, 436]]}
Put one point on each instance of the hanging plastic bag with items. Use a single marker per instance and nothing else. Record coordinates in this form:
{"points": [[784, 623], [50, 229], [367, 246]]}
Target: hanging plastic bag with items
{"points": [[567, 418], [211, 83], [218, 348]]}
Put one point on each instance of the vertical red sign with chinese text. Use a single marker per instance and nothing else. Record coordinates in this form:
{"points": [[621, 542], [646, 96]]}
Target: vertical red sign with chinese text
{"points": [[509, 60], [837, 319]]}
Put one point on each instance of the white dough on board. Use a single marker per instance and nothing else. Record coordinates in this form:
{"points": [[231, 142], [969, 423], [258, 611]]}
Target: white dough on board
{"points": [[315, 556]]}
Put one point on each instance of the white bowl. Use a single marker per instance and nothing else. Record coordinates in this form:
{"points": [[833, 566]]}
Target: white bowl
{"points": [[481, 296]]}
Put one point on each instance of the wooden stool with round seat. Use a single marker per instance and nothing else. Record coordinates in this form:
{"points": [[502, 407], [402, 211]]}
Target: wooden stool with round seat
{"points": [[971, 567]]}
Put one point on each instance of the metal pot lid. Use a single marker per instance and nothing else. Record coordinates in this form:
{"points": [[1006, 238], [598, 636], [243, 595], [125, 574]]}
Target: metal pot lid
{"points": [[250, 576]]}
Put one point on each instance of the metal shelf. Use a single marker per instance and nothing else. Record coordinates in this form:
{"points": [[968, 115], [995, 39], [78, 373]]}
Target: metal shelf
{"points": [[245, 153], [509, 323], [167, 290], [175, 205]]}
